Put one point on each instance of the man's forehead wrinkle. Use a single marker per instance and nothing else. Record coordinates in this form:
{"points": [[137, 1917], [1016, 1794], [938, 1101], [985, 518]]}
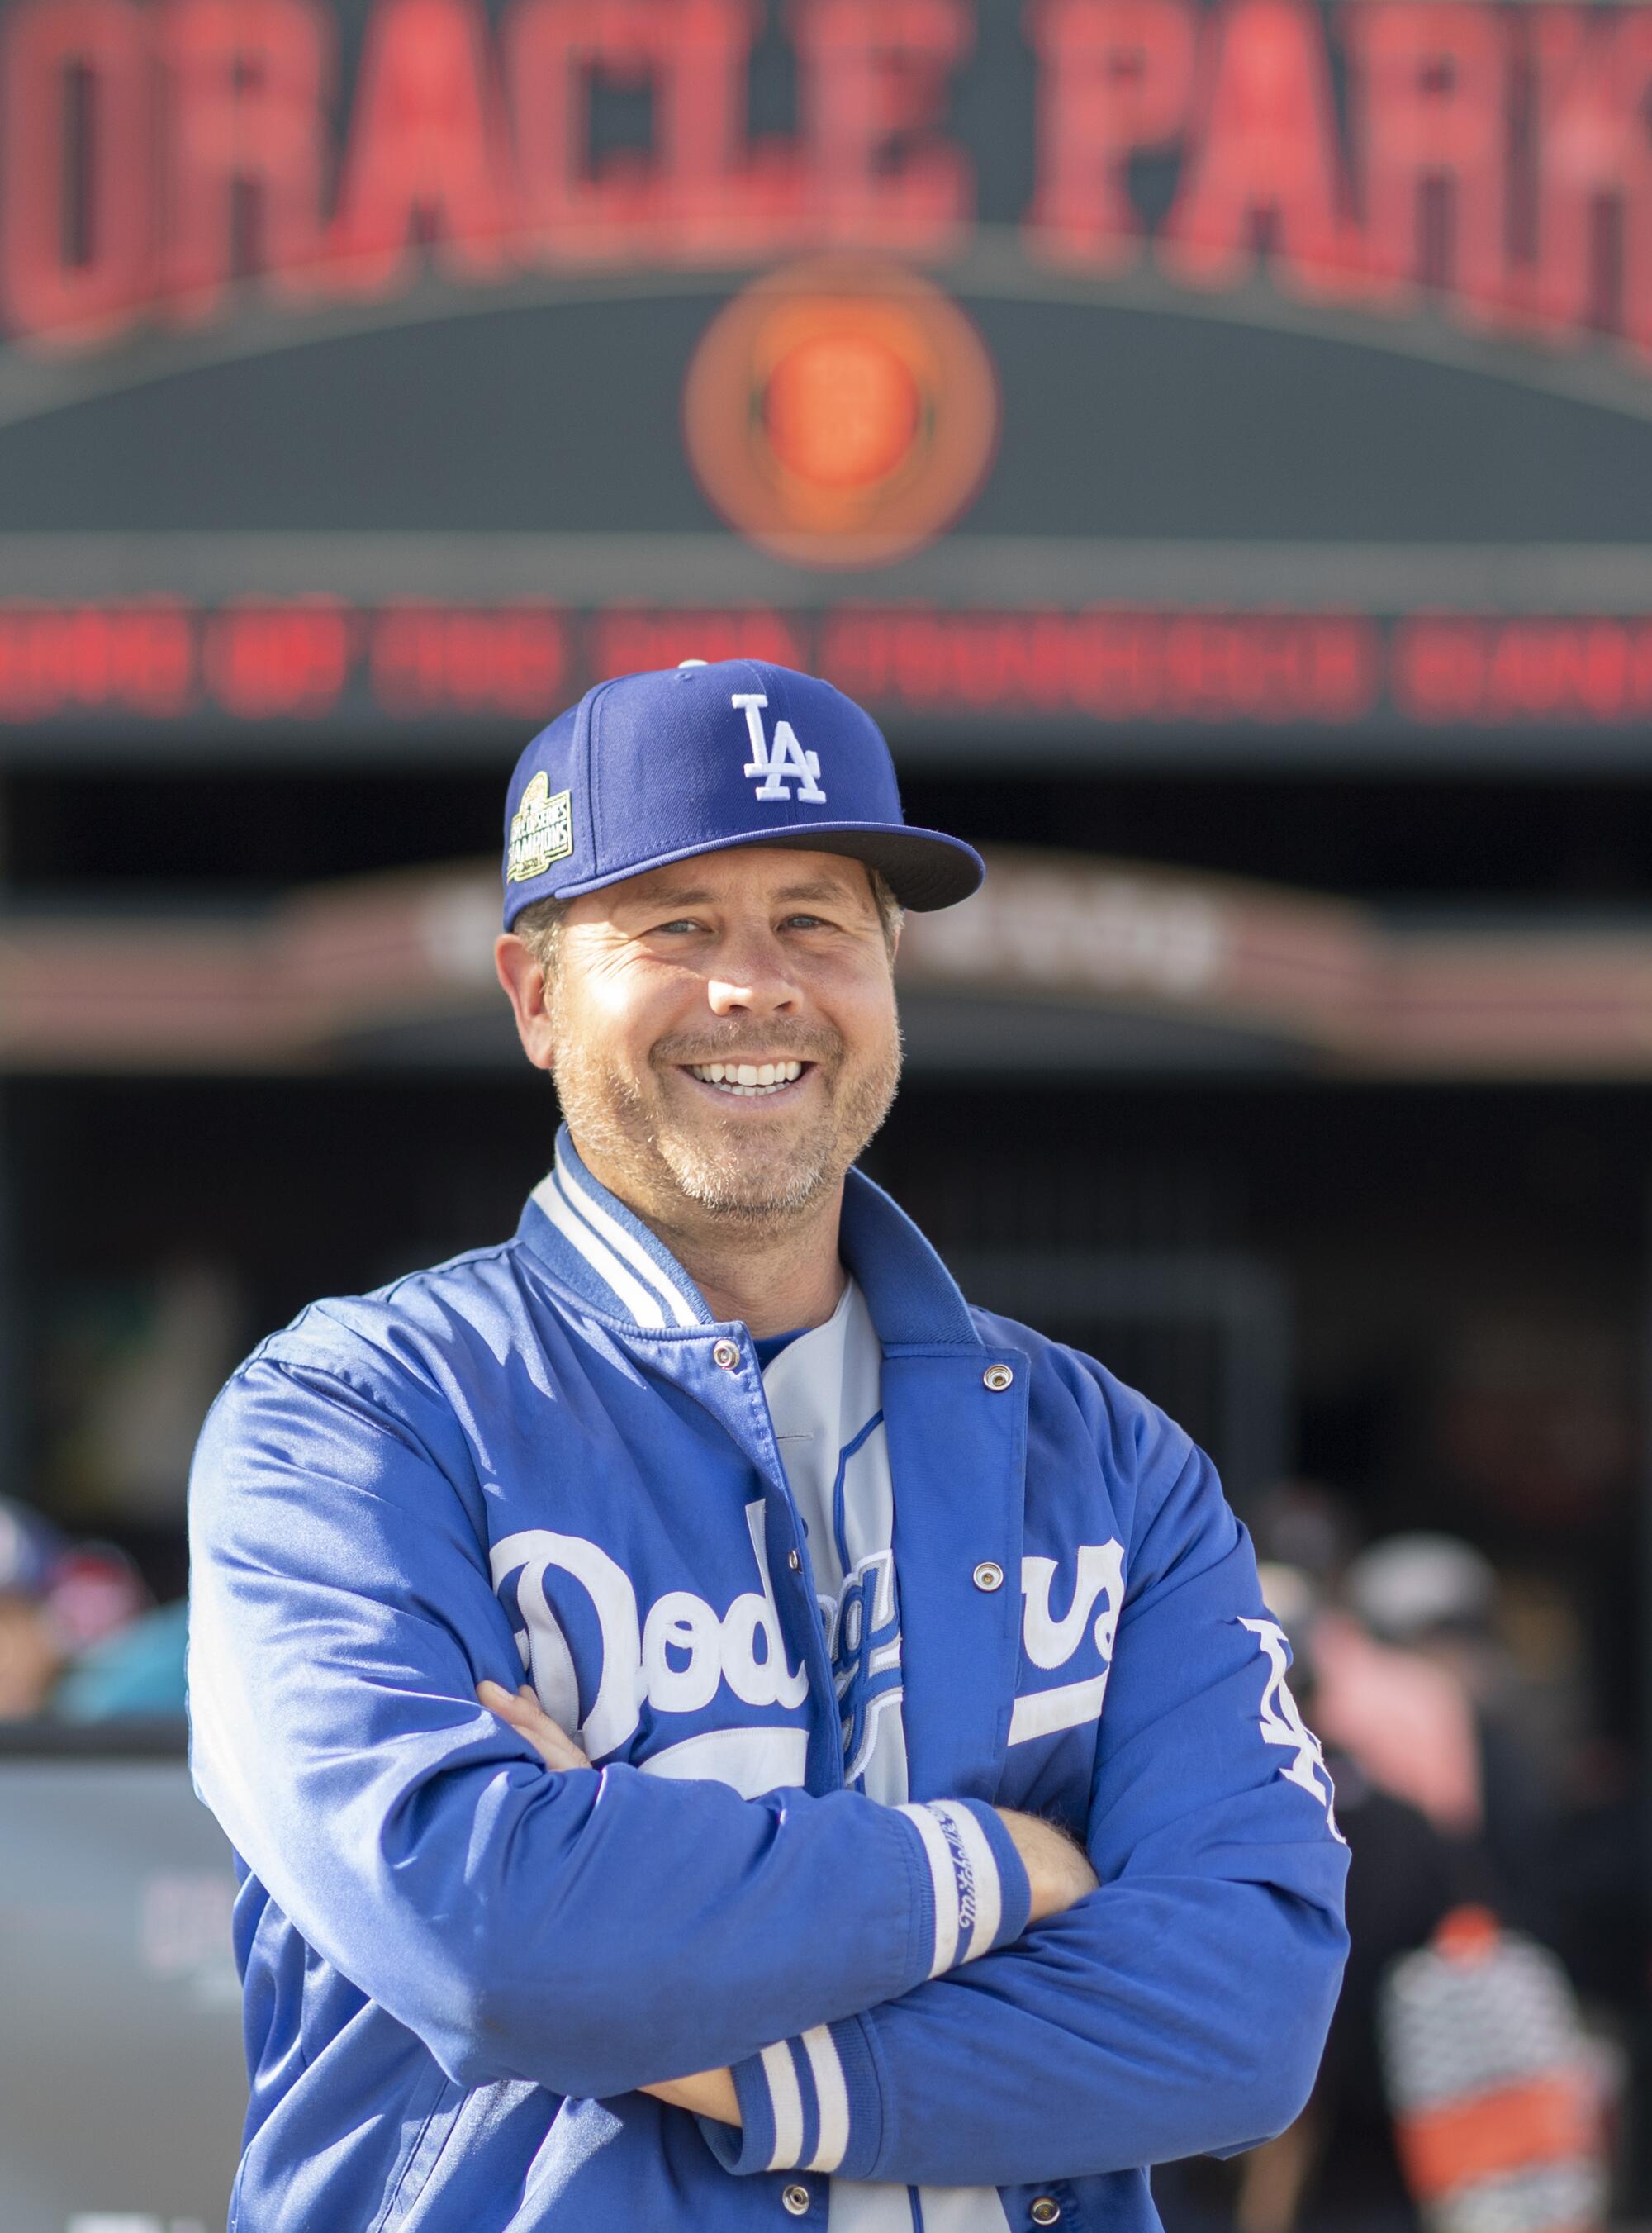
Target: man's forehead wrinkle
{"points": [[823, 887], [651, 892], [648, 893]]}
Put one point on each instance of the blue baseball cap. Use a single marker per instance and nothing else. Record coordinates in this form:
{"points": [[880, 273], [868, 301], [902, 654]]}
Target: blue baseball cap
{"points": [[653, 768]]}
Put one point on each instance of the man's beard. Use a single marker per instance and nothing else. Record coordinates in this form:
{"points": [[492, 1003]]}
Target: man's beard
{"points": [[718, 1165]]}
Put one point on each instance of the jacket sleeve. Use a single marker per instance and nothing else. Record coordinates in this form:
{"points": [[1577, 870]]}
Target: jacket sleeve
{"points": [[589, 1932], [1179, 2010]]}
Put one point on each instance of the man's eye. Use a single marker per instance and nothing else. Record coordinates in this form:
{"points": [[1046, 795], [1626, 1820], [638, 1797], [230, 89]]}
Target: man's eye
{"points": [[806, 922], [682, 922]]}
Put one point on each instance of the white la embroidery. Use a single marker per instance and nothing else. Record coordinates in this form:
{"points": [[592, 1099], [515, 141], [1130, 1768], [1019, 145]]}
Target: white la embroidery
{"points": [[788, 761], [1282, 1724]]}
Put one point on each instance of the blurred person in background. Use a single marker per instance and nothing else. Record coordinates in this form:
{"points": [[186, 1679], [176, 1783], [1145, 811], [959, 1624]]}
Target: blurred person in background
{"points": [[1336, 2169], [81, 1638], [1415, 1683], [1460, 2073]]}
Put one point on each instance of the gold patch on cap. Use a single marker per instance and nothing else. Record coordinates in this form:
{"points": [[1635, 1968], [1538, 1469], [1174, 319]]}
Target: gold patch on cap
{"points": [[542, 831]]}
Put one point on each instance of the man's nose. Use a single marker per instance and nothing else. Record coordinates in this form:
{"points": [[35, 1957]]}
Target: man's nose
{"points": [[749, 977]]}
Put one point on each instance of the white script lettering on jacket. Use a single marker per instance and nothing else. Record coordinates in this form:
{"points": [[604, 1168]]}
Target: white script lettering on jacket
{"points": [[1050, 1642], [637, 1665], [676, 1659]]}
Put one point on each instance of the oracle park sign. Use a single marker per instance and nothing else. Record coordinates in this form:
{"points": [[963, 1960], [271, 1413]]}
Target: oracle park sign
{"points": [[1155, 378]]}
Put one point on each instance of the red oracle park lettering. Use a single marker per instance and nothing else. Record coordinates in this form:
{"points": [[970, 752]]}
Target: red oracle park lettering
{"points": [[154, 154], [243, 85], [629, 640], [717, 195], [433, 658], [874, 79], [1114, 78], [871, 166], [266, 661], [76, 265], [1264, 152], [1432, 92], [1593, 83], [426, 147], [554, 50], [64, 660], [700, 193]]}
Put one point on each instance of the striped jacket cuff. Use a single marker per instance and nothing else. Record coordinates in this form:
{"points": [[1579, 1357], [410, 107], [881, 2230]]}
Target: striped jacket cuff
{"points": [[807, 2104], [982, 1898], [816, 2103]]}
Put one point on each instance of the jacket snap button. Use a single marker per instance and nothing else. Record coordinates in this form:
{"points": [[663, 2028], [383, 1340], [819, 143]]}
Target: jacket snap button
{"points": [[794, 1559], [1045, 2211], [726, 1354], [998, 1377], [989, 1575], [795, 2199]]}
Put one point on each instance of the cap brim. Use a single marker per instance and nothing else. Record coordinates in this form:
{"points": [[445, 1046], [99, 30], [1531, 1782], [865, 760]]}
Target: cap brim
{"points": [[924, 868]]}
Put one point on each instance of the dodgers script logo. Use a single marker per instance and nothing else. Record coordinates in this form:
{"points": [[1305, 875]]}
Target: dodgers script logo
{"points": [[1051, 1640], [786, 763], [674, 1660]]}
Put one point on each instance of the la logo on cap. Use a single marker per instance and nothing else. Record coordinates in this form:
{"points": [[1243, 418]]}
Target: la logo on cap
{"points": [[786, 762], [541, 830]]}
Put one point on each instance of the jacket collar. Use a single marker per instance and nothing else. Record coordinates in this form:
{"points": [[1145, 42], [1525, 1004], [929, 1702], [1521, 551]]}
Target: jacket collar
{"points": [[913, 1298], [597, 1247], [601, 1249]]}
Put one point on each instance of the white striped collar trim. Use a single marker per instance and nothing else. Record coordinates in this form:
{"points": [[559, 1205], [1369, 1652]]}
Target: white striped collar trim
{"points": [[644, 1281]]}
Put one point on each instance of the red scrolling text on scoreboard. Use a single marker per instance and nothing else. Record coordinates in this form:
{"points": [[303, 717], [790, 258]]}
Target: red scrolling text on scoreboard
{"points": [[489, 670], [155, 154]]}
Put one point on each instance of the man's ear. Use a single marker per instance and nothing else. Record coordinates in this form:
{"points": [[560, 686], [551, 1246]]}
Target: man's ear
{"points": [[523, 976]]}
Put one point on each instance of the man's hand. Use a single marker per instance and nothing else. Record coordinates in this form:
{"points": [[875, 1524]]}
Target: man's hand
{"points": [[523, 1710], [710, 2093], [1059, 1873], [1057, 1868]]}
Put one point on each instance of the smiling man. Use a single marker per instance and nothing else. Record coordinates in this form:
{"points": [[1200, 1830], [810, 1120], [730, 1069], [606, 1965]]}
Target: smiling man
{"points": [[716, 1732]]}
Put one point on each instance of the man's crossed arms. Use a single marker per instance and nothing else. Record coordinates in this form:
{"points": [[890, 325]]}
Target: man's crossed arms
{"points": [[1058, 1873]]}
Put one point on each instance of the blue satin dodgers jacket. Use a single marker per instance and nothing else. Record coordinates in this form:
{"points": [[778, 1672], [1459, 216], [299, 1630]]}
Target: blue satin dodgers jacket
{"points": [[458, 1965]]}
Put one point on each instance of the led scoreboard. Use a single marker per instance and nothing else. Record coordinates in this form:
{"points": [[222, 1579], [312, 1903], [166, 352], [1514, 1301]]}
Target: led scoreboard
{"points": [[1157, 377]]}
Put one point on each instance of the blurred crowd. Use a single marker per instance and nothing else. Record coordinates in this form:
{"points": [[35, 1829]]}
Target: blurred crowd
{"points": [[81, 1639]]}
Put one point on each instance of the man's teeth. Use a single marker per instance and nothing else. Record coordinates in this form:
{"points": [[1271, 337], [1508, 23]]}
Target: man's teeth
{"points": [[748, 1077]]}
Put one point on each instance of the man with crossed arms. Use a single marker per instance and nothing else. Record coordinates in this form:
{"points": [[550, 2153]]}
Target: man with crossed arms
{"points": [[716, 1732]]}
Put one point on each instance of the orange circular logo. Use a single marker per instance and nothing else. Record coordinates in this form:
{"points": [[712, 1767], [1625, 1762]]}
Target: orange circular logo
{"points": [[841, 413]]}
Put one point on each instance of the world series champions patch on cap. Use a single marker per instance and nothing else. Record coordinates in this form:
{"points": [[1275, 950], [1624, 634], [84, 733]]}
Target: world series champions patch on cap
{"points": [[653, 768], [542, 831]]}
